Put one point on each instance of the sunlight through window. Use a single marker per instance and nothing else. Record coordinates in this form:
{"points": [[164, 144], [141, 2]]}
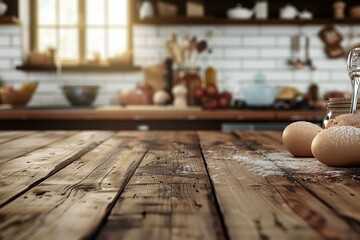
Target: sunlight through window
{"points": [[82, 31]]}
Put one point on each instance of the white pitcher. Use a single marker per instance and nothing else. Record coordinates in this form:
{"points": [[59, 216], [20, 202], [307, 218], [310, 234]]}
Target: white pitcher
{"points": [[146, 10]]}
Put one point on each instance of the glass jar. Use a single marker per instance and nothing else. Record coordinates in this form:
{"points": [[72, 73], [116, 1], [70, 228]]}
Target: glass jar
{"points": [[336, 107], [190, 77]]}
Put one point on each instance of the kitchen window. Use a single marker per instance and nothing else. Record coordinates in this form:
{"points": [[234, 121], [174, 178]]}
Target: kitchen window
{"points": [[82, 31]]}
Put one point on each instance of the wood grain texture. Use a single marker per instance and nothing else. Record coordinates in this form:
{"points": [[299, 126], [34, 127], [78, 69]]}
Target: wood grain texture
{"points": [[20, 174], [255, 205], [27, 144], [169, 196], [73, 202], [7, 136], [170, 185], [337, 188]]}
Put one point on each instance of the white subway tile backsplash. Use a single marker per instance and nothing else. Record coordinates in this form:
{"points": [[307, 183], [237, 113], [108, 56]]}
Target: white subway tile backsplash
{"points": [[48, 87], [140, 30], [5, 64], [283, 41], [303, 75], [13, 75], [13, 52], [204, 31], [217, 52], [15, 63], [331, 64], [317, 53], [151, 41], [42, 77], [274, 53], [147, 52], [168, 31], [311, 30], [259, 64], [340, 77], [241, 52], [315, 41], [277, 76], [4, 41], [241, 30], [239, 75], [133, 77], [227, 64], [259, 41], [228, 41], [9, 30], [321, 76], [138, 41], [277, 30], [15, 41]]}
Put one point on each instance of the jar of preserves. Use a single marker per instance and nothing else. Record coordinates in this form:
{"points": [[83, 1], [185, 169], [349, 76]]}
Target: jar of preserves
{"points": [[190, 77], [336, 107]]}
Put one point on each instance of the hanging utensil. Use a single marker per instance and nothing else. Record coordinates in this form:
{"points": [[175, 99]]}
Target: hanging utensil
{"points": [[353, 67], [200, 47], [308, 60], [191, 49]]}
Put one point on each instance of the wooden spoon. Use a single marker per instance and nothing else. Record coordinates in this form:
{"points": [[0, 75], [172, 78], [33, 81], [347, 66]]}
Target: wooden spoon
{"points": [[191, 48]]}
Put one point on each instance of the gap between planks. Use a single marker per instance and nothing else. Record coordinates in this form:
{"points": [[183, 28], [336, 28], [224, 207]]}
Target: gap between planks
{"points": [[73, 202], [271, 141], [23, 173], [238, 189]]}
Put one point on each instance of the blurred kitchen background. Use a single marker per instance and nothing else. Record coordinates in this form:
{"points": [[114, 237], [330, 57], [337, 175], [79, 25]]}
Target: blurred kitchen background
{"points": [[117, 44]]}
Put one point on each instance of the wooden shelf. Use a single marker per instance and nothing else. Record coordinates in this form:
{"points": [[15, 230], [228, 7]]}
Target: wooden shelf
{"points": [[224, 21], [82, 68], [4, 20]]}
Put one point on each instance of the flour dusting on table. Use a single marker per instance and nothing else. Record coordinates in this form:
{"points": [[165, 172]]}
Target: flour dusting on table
{"points": [[267, 164]]}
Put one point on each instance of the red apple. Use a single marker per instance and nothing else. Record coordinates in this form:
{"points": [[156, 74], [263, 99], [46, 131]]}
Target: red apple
{"points": [[226, 95], [198, 93], [211, 91], [223, 102], [210, 104]]}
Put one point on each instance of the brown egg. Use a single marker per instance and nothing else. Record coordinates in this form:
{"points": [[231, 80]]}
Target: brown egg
{"points": [[297, 138], [338, 146]]}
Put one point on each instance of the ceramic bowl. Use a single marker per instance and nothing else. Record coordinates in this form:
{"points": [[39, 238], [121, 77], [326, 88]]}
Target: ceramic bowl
{"points": [[79, 95], [260, 95]]}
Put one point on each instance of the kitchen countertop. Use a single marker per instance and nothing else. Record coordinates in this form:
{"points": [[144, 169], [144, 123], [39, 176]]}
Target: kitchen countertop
{"points": [[159, 113], [170, 185], [152, 118]]}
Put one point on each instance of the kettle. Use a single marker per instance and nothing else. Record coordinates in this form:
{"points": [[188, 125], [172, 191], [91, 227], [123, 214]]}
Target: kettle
{"points": [[288, 12], [240, 12], [146, 10]]}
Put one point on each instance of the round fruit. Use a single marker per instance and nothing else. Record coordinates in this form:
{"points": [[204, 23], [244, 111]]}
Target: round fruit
{"points": [[211, 91]]}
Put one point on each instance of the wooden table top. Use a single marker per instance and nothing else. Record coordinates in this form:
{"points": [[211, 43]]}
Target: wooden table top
{"points": [[170, 185]]}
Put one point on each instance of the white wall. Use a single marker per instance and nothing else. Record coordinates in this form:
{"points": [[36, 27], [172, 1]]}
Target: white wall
{"points": [[239, 52]]}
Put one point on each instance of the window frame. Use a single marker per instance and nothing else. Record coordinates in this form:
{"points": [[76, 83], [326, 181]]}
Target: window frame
{"points": [[82, 34]]}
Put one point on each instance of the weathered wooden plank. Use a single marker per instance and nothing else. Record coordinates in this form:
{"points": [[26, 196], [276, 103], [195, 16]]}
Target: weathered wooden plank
{"points": [[168, 196], [22, 173], [251, 200], [6, 136], [27, 144], [72, 203], [338, 188]]}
